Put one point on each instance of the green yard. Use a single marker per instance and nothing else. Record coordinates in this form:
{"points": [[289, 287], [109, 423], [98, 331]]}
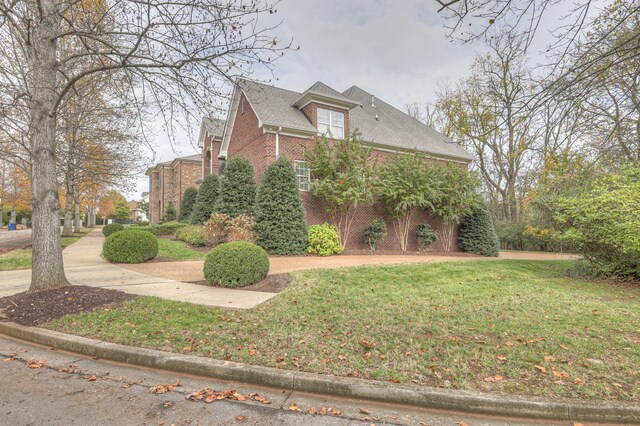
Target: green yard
{"points": [[520, 327], [177, 250]]}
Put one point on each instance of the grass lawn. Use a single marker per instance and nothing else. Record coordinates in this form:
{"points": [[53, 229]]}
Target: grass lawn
{"points": [[521, 327], [177, 250], [21, 259]]}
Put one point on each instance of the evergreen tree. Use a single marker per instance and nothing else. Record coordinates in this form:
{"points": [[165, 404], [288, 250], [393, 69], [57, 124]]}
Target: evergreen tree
{"points": [[188, 202], [122, 209], [205, 200], [281, 225], [169, 212], [237, 189], [477, 234]]}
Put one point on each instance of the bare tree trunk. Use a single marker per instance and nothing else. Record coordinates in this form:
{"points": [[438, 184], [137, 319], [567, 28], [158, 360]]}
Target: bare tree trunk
{"points": [[68, 209], [78, 226], [48, 269]]}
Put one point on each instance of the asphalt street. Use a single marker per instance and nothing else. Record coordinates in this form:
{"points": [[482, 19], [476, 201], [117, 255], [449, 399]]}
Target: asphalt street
{"points": [[67, 389]]}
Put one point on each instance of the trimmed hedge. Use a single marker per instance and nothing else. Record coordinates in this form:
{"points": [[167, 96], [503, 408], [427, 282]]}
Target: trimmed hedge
{"points": [[112, 228], [237, 189], [188, 202], [324, 240], [236, 264], [168, 228], [192, 235], [205, 200], [130, 246], [281, 224], [477, 234]]}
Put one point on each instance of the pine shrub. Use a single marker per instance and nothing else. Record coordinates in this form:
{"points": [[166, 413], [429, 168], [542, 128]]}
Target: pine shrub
{"points": [[130, 246], [324, 240], [236, 264], [205, 200], [426, 236], [477, 234], [375, 232], [281, 225], [237, 189], [112, 228], [188, 202]]}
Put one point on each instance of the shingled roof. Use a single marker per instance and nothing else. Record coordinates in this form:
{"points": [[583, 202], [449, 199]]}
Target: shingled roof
{"points": [[379, 123]]}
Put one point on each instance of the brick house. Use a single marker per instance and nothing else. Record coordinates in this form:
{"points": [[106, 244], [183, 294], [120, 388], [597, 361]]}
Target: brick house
{"points": [[169, 180], [266, 122]]}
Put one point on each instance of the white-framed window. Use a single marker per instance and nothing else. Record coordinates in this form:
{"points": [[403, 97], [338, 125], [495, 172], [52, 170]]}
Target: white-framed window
{"points": [[331, 123], [303, 175]]}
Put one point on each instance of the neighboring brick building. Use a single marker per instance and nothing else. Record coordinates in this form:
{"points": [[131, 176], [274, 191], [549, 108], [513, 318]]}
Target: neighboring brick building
{"points": [[265, 122], [169, 180]]}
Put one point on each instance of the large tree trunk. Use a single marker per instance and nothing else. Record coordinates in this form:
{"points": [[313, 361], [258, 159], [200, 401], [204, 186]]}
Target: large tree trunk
{"points": [[78, 225], [48, 268]]}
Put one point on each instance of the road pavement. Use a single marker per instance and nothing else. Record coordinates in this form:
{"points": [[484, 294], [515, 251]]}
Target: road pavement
{"points": [[71, 389]]}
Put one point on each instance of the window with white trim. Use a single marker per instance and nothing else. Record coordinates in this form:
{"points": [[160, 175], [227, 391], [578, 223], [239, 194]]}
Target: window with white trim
{"points": [[303, 175], [331, 123]]}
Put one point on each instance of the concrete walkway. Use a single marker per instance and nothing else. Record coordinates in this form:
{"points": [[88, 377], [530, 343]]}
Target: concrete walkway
{"points": [[192, 270], [84, 266]]}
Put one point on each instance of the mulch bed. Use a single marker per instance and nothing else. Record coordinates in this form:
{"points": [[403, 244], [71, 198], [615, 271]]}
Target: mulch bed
{"points": [[272, 284], [34, 309]]}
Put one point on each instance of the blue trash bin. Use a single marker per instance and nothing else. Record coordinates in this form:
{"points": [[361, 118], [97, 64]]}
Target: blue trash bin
{"points": [[12, 227]]}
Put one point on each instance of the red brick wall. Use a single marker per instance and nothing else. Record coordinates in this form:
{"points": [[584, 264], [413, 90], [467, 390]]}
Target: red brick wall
{"points": [[189, 175], [211, 147], [248, 140]]}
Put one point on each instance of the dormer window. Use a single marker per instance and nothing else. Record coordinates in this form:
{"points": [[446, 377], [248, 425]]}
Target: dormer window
{"points": [[331, 123]]}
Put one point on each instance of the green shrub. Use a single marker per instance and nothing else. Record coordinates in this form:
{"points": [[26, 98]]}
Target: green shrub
{"points": [[510, 235], [167, 228], [281, 224], [236, 264], [140, 223], [205, 200], [374, 233], [130, 246], [324, 240], [237, 189], [603, 223], [169, 212], [426, 236], [188, 202], [192, 235], [477, 234], [112, 228]]}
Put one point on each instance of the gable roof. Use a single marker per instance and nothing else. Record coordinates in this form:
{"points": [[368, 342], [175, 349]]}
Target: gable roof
{"points": [[380, 124], [214, 126], [195, 158], [322, 93]]}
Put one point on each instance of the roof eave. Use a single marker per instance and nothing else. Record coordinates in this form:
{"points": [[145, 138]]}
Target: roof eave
{"points": [[323, 98]]}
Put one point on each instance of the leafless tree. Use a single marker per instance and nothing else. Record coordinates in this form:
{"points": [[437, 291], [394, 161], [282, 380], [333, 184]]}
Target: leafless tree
{"points": [[176, 55]]}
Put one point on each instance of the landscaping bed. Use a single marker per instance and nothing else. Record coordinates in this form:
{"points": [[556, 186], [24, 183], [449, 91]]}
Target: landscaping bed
{"points": [[37, 308], [517, 327], [274, 283]]}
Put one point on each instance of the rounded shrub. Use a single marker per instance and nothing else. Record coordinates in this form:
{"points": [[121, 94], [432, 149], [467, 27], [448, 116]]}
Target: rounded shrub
{"points": [[236, 264], [130, 246], [477, 234], [112, 228], [324, 240]]}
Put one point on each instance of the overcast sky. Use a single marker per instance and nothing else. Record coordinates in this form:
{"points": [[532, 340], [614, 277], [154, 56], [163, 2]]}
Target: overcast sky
{"points": [[395, 49]]}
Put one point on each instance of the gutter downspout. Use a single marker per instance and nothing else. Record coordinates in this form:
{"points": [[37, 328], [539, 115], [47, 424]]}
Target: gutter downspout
{"points": [[278, 142]]}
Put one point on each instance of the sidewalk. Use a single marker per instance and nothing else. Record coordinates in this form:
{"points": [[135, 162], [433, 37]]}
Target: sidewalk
{"points": [[84, 266]]}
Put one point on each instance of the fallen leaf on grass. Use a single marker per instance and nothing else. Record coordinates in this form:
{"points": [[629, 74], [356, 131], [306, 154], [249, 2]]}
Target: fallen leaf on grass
{"points": [[618, 385], [541, 369], [33, 364], [577, 381], [501, 357], [564, 347], [382, 356], [164, 388], [508, 343], [252, 352], [549, 358], [494, 378]]}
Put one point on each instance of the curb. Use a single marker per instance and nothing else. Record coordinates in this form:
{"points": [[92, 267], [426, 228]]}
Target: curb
{"points": [[406, 394]]}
